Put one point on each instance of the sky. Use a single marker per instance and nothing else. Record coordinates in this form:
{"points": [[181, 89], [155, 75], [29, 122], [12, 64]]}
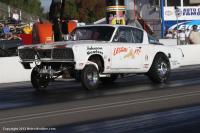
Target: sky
{"points": [[46, 4]]}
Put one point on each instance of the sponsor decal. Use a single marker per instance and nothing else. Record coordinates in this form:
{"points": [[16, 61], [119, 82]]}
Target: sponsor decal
{"points": [[132, 53], [120, 50], [174, 62], [129, 52], [94, 50]]}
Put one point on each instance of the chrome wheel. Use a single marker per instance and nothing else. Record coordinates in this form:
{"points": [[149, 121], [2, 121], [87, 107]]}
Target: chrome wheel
{"points": [[90, 77], [162, 69]]}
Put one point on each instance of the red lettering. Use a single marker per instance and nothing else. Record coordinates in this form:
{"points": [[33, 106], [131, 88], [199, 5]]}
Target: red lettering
{"points": [[119, 50]]}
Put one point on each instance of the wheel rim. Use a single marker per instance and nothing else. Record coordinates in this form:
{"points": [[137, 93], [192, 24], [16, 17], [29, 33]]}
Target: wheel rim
{"points": [[163, 69], [92, 77]]}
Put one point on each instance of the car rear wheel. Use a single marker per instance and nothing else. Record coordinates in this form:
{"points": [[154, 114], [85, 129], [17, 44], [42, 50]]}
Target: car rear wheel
{"points": [[39, 81], [90, 77], [160, 70]]}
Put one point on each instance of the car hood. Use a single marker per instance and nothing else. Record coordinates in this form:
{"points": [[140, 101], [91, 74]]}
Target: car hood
{"points": [[62, 44]]}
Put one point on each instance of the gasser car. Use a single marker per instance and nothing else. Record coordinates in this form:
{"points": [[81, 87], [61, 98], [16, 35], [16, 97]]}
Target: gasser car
{"points": [[99, 53]]}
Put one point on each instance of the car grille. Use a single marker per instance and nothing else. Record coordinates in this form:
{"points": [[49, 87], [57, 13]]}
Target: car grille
{"points": [[29, 54], [63, 54]]}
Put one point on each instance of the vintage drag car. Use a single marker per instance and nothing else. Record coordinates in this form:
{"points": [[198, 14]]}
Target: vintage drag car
{"points": [[99, 53]]}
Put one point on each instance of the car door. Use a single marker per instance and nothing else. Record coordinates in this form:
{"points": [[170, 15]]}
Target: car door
{"points": [[126, 49]]}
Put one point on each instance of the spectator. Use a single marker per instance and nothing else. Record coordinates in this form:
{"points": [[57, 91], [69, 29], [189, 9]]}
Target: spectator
{"points": [[15, 17], [6, 30], [194, 35], [182, 37], [1, 30], [175, 34], [27, 29], [169, 34], [187, 33], [13, 37]]}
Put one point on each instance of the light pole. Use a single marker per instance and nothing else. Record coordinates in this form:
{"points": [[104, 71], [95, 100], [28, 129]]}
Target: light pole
{"points": [[177, 13], [162, 17]]}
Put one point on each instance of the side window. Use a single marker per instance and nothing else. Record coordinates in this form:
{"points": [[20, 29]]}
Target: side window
{"points": [[123, 35], [137, 35], [152, 40]]}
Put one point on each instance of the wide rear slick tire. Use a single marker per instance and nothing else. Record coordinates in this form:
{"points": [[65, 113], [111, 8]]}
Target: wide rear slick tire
{"points": [[39, 82], [160, 70], [90, 77]]}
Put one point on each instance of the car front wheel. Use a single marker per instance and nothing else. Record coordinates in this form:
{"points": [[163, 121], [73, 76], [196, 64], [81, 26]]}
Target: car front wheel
{"points": [[39, 81], [90, 77]]}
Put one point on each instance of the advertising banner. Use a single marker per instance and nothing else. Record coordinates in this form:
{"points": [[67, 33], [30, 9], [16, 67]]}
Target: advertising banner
{"points": [[182, 18]]}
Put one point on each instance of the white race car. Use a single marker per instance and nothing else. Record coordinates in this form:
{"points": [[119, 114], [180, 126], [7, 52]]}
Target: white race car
{"points": [[100, 53]]}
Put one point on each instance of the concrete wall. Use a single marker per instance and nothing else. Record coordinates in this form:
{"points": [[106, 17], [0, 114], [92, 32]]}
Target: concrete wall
{"points": [[12, 71], [191, 54], [169, 42]]}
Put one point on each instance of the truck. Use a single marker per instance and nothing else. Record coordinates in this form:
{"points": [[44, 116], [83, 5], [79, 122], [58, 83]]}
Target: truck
{"points": [[95, 54]]}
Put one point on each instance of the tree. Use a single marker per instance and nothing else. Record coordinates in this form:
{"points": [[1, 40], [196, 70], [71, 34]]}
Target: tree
{"points": [[85, 10], [71, 9], [29, 6]]}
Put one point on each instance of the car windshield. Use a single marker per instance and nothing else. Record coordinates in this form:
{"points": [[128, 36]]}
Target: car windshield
{"points": [[98, 33]]}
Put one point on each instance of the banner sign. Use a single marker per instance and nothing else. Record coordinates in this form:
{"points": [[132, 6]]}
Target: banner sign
{"points": [[182, 18], [185, 13]]}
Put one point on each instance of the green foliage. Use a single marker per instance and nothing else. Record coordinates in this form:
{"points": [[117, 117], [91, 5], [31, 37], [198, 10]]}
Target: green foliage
{"points": [[29, 6], [85, 10]]}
